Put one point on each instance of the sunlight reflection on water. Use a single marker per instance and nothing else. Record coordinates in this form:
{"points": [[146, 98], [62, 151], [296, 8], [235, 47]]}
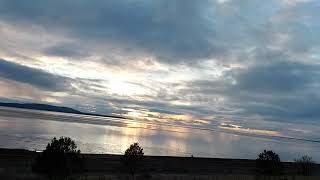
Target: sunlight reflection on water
{"points": [[34, 129]]}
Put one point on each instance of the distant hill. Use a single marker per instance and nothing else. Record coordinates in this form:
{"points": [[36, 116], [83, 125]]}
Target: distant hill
{"points": [[44, 107], [47, 107]]}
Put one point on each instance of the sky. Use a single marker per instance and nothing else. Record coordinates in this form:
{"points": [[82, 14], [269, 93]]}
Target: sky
{"points": [[247, 65]]}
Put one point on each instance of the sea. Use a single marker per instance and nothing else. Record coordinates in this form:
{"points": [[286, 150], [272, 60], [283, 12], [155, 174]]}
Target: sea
{"points": [[34, 129]]}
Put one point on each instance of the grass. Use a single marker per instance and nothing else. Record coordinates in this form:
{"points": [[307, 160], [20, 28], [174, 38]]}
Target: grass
{"points": [[198, 177], [15, 176]]}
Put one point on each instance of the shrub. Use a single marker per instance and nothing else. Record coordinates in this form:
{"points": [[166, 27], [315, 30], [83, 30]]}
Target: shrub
{"points": [[132, 157], [268, 163], [59, 159], [305, 165]]}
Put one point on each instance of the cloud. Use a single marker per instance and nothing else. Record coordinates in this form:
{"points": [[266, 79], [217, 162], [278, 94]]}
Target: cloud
{"points": [[171, 30], [34, 77], [278, 77], [67, 50], [178, 31], [230, 60], [276, 90]]}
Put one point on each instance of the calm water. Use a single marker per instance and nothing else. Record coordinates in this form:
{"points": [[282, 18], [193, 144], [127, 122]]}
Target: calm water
{"points": [[32, 130]]}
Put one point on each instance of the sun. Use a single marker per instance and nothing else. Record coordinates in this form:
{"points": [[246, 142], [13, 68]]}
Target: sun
{"points": [[125, 88]]}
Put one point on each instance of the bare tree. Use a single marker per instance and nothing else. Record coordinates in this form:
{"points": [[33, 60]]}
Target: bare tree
{"points": [[305, 165]]}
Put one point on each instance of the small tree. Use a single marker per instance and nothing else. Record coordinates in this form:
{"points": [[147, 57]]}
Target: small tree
{"points": [[59, 159], [132, 157], [305, 165], [268, 162]]}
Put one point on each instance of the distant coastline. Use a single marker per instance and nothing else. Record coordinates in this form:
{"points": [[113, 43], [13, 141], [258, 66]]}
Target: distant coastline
{"points": [[52, 108]]}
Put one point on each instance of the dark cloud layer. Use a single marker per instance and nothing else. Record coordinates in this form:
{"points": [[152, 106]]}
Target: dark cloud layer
{"points": [[67, 50], [34, 77], [283, 77], [279, 91], [172, 30]]}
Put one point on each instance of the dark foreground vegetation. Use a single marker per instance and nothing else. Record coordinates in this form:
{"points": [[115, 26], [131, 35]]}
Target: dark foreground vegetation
{"points": [[59, 160], [62, 160]]}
